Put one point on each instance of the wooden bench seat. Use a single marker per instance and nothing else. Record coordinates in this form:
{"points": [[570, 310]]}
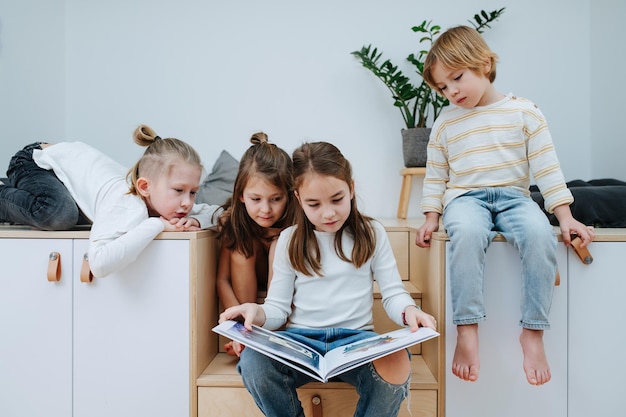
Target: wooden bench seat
{"points": [[221, 393]]}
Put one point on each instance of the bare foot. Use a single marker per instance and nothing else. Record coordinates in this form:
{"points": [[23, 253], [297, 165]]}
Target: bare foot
{"points": [[535, 361], [466, 362]]}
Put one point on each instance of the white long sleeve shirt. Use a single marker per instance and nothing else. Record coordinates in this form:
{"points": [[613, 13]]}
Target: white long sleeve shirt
{"points": [[343, 296], [121, 227], [499, 145]]}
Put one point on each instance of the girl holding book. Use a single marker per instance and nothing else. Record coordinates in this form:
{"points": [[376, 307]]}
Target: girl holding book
{"points": [[321, 291]]}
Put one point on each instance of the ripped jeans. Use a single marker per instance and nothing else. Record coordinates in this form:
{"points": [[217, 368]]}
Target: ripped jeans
{"points": [[273, 384]]}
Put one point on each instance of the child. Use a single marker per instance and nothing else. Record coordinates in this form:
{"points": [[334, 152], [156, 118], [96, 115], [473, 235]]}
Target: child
{"points": [[53, 185], [481, 155], [321, 290], [261, 206]]}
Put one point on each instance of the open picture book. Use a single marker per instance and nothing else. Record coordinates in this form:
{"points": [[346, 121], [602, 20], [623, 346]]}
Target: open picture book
{"points": [[312, 363]]}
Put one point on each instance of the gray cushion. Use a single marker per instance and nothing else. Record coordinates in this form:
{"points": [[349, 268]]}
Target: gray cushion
{"points": [[218, 186]]}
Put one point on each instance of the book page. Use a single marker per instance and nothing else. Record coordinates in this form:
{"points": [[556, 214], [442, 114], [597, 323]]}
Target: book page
{"points": [[350, 356], [283, 349], [309, 361]]}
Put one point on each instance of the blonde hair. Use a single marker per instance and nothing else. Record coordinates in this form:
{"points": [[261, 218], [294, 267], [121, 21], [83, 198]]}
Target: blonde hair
{"points": [[326, 159], [460, 47], [266, 160], [159, 156]]}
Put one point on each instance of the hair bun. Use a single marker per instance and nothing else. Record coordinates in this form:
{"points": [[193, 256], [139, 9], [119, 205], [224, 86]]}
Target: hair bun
{"points": [[258, 138]]}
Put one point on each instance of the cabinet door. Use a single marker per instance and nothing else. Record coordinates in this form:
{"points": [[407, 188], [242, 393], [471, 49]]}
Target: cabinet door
{"points": [[36, 329], [131, 336], [596, 336], [502, 388]]}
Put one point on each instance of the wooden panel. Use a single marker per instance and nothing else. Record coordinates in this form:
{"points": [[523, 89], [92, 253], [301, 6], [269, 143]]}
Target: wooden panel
{"points": [[400, 245], [342, 402], [417, 260], [203, 267], [221, 372], [337, 402], [226, 402]]}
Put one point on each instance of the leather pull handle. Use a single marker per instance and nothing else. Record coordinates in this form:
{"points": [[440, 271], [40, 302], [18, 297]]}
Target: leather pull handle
{"points": [[557, 279], [316, 401], [54, 267], [583, 253], [85, 271]]}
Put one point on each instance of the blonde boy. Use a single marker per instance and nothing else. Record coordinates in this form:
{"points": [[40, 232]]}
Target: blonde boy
{"points": [[482, 152]]}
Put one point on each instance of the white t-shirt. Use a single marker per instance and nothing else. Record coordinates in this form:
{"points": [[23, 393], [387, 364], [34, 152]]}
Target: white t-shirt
{"points": [[121, 227], [343, 296]]}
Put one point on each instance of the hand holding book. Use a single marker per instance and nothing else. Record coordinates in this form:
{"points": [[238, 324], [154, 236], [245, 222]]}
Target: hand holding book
{"points": [[311, 362]]}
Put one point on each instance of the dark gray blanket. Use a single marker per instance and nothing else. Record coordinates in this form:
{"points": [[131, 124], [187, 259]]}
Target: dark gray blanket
{"points": [[598, 203]]}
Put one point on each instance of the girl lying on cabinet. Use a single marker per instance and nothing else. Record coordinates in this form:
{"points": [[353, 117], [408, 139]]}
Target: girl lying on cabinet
{"points": [[59, 186]]}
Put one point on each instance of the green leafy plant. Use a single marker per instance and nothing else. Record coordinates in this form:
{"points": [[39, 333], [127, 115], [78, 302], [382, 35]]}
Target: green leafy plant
{"points": [[417, 103]]}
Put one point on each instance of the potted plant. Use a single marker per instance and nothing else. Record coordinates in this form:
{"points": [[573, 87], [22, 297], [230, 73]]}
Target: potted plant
{"points": [[419, 104]]}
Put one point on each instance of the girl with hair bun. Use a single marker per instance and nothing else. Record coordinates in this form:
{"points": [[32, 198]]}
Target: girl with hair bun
{"points": [[261, 206], [59, 186]]}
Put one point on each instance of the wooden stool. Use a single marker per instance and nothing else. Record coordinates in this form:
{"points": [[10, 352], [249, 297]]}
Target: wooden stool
{"points": [[405, 191]]}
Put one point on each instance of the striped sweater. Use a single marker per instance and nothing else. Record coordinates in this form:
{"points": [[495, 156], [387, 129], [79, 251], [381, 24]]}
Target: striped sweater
{"points": [[499, 145]]}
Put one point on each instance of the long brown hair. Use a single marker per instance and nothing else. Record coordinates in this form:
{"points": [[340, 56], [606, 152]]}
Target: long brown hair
{"points": [[325, 159], [263, 159], [159, 156]]}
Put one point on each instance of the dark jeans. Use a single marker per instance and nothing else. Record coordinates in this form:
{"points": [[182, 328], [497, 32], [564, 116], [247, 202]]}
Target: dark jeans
{"points": [[36, 197]]}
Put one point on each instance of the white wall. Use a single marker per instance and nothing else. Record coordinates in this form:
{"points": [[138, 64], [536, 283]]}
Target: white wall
{"points": [[32, 74], [608, 90], [212, 73]]}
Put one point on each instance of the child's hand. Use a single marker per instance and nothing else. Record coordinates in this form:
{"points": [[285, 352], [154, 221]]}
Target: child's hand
{"points": [[570, 226], [415, 318], [424, 233], [575, 228], [250, 312], [234, 348], [182, 224]]}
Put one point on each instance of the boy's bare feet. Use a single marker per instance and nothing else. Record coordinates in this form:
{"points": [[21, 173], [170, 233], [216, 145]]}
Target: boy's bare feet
{"points": [[535, 361], [466, 362]]}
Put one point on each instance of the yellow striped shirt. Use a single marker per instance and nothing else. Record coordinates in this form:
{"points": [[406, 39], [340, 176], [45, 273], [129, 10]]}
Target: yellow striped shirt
{"points": [[505, 144]]}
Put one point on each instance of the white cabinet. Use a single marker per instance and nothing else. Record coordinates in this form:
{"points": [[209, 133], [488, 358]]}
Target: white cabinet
{"points": [[130, 344], [131, 336], [596, 332], [585, 344], [35, 329], [502, 388]]}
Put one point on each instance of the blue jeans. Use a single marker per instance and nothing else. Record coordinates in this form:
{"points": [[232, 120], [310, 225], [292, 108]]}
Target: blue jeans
{"points": [[472, 221], [36, 197], [273, 385]]}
